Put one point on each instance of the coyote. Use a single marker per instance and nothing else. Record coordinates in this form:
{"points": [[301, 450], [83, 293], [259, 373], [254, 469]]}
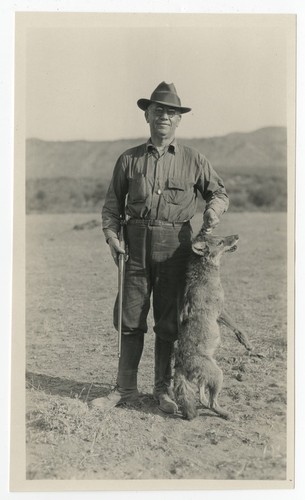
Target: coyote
{"points": [[200, 312]]}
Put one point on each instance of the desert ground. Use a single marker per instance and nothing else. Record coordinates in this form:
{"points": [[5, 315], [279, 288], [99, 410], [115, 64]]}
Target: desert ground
{"points": [[71, 358]]}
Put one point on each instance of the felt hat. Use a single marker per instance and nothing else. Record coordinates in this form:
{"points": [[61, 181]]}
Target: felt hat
{"points": [[165, 94]]}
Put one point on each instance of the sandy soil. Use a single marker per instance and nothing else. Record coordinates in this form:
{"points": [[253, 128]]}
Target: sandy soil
{"points": [[71, 358]]}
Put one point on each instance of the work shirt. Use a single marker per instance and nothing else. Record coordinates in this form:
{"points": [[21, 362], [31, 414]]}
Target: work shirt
{"points": [[149, 185]]}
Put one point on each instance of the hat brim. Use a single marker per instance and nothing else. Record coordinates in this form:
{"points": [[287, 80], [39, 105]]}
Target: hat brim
{"points": [[144, 103]]}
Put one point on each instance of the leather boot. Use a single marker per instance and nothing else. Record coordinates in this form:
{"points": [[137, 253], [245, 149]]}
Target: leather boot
{"points": [[163, 393], [126, 389]]}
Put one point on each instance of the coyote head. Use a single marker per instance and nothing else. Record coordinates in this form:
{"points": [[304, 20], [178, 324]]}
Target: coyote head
{"points": [[211, 248]]}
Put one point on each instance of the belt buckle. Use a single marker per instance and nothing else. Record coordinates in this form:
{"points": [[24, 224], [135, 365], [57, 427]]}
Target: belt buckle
{"points": [[153, 222]]}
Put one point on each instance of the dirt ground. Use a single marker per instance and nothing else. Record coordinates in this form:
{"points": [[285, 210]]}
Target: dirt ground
{"points": [[72, 358]]}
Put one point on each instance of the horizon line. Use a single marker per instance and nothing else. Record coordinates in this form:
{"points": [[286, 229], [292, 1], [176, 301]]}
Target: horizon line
{"points": [[143, 137]]}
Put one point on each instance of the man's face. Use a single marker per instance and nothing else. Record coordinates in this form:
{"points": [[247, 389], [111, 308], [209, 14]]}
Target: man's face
{"points": [[163, 120]]}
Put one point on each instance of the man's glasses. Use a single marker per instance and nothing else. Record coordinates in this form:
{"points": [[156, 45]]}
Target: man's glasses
{"points": [[159, 111]]}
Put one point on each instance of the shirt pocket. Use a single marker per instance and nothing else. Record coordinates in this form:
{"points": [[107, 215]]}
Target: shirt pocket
{"points": [[137, 188], [176, 190]]}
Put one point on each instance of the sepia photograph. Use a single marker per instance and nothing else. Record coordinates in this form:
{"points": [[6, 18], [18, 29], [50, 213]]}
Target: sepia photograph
{"points": [[153, 288]]}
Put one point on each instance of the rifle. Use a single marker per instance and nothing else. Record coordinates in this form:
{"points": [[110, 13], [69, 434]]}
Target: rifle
{"points": [[121, 272]]}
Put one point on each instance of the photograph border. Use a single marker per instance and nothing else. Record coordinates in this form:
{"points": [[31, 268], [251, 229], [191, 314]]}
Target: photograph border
{"points": [[18, 481]]}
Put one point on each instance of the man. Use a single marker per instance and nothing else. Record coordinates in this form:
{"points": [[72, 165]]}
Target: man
{"points": [[154, 189]]}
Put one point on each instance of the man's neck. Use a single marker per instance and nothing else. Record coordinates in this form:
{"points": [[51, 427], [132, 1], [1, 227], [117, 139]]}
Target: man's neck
{"points": [[160, 142]]}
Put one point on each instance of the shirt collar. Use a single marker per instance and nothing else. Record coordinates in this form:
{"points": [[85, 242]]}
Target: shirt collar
{"points": [[171, 147]]}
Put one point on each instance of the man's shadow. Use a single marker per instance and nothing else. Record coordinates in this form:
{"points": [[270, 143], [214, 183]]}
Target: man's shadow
{"points": [[87, 391]]}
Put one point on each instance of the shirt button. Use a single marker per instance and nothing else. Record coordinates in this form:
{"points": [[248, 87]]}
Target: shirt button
{"points": [[159, 191]]}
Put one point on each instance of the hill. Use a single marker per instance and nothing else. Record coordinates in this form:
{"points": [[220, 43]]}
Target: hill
{"points": [[47, 159], [74, 176]]}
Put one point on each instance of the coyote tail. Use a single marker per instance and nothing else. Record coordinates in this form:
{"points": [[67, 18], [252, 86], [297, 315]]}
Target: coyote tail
{"points": [[185, 396]]}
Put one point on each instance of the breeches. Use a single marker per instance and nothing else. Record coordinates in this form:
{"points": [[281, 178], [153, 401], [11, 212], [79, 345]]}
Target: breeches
{"points": [[155, 267]]}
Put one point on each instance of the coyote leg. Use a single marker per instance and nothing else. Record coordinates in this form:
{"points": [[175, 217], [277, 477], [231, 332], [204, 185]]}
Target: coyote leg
{"points": [[202, 397], [213, 382], [214, 391], [226, 320], [217, 409]]}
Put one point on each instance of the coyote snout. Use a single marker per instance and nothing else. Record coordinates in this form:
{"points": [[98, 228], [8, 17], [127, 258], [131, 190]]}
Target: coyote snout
{"points": [[201, 310]]}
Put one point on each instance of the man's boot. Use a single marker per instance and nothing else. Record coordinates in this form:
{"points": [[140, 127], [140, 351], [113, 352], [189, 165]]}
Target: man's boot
{"points": [[126, 389], [163, 393]]}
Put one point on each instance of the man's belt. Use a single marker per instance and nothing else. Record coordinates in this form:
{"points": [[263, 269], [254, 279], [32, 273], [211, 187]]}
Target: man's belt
{"points": [[155, 222]]}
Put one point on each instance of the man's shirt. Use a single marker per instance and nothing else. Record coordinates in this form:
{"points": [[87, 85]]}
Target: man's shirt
{"points": [[149, 185]]}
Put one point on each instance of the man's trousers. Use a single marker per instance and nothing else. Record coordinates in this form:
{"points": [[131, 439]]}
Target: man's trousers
{"points": [[156, 265]]}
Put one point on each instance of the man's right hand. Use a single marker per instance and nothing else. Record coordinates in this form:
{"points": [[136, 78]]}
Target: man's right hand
{"points": [[115, 249]]}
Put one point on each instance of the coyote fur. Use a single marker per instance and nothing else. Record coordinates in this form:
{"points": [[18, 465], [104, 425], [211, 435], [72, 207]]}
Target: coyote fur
{"points": [[200, 312]]}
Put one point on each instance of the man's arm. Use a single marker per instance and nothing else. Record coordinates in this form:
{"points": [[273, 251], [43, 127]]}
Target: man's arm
{"points": [[213, 191], [114, 208]]}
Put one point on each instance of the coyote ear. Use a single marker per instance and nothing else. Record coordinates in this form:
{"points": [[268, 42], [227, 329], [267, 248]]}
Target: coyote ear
{"points": [[201, 248]]}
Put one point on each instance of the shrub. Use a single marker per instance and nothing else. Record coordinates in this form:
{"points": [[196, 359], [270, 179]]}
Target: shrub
{"points": [[65, 194], [271, 193], [40, 195]]}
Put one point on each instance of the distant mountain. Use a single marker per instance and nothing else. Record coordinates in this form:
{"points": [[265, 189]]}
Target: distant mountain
{"points": [[262, 148], [265, 147]]}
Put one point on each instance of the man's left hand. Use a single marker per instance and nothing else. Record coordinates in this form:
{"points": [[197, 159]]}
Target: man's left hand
{"points": [[210, 220]]}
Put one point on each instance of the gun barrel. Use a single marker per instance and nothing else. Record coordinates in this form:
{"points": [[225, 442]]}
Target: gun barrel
{"points": [[121, 272], [120, 300]]}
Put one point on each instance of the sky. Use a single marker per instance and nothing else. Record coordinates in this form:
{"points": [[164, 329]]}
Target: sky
{"points": [[83, 78]]}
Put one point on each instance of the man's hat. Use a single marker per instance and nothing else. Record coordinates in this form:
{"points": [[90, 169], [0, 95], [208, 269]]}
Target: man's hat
{"points": [[165, 94]]}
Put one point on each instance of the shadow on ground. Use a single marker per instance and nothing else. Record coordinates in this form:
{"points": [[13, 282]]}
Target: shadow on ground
{"points": [[85, 391]]}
